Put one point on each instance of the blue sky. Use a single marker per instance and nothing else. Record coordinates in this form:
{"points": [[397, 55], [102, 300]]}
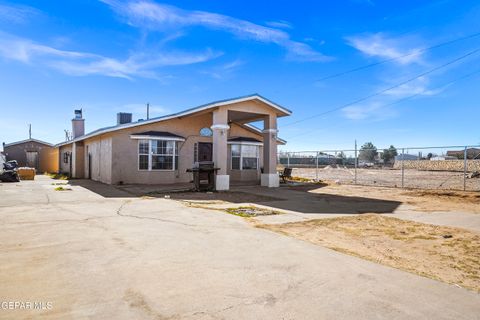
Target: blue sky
{"points": [[110, 56]]}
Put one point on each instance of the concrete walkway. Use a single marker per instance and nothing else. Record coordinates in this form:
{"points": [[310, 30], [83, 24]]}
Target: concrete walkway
{"points": [[133, 258]]}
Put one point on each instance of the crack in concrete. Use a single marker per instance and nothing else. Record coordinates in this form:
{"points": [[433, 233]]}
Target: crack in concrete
{"points": [[119, 212], [57, 220]]}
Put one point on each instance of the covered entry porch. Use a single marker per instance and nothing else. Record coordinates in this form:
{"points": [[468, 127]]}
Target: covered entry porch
{"points": [[235, 156]]}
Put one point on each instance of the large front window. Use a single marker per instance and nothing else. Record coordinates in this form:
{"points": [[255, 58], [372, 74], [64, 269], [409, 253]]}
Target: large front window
{"points": [[157, 155], [244, 157]]}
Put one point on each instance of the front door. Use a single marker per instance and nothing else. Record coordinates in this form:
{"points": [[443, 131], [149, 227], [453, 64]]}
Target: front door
{"points": [[204, 154], [205, 151]]}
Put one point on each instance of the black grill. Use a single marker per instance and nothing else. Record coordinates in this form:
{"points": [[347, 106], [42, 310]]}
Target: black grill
{"points": [[204, 176]]}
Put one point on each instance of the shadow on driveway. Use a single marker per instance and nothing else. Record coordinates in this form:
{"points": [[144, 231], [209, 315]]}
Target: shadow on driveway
{"points": [[288, 197]]}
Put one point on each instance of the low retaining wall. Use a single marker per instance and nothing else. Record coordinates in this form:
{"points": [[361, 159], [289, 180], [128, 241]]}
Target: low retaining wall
{"points": [[438, 165]]}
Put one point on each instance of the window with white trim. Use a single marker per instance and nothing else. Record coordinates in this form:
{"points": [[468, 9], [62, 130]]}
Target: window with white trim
{"points": [[244, 157], [157, 155]]}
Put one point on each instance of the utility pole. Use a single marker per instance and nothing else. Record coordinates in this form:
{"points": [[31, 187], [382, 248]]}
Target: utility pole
{"points": [[148, 111]]}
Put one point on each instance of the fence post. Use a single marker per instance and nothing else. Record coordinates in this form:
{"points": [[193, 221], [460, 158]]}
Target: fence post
{"points": [[403, 166], [288, 159], [356, 160], [465, 169], [316, 168]]}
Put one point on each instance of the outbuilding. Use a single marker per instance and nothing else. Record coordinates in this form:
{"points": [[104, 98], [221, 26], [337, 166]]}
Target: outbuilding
{"points": [[33, 153]]}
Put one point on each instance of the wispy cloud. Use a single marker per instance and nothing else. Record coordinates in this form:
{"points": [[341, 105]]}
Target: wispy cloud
{"points": [[379, 45], [282, 24], [382, 107], [17, 13], [419, 87], [375, 111], [161, 17], [225, 70], [84, 63]]}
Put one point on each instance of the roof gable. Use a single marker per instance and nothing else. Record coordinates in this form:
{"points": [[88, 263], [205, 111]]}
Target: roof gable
{"points": [[27, 141], [283, 112]]}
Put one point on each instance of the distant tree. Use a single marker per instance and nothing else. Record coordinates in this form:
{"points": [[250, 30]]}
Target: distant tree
{"points": [[430, 155], [389, 154], [367, 152], [341, 155]]}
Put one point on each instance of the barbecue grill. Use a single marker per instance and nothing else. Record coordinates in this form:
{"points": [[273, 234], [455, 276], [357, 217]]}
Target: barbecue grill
{"points": [[204, 176]]}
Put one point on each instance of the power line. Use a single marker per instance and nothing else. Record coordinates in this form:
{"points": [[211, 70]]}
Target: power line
{"points": [[339, 74], [387, 89], [468, 75]]}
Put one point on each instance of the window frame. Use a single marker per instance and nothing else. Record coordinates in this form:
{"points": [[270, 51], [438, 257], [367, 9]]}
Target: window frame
{"points": [[256, 145], [174, 155], [66, 157]]}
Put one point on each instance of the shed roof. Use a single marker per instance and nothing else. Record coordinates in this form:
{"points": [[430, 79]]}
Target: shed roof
{"points": [[27, 141]]}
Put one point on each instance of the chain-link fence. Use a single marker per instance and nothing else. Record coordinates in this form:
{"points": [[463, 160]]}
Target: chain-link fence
{"points": [[448, 167]]}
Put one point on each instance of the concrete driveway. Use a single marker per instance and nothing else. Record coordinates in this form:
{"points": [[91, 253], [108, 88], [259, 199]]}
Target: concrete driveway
{"points": [[134, 258]]}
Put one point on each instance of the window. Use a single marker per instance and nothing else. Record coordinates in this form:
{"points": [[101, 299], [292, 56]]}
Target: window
{"points": [[66, 156], [143, 154], [236, 156], [244, 157], [157, 155]]}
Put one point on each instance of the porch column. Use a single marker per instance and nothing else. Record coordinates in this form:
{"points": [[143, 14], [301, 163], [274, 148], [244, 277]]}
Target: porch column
{"points": [[220, 152], [269, 176], [73, 158]]}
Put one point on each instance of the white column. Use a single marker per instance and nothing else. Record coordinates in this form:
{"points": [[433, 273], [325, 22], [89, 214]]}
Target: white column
{"points": [[269, 177], [73, 174], [220, 151]]}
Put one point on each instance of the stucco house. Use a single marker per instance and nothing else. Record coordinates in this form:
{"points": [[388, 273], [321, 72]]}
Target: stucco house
{"points": [[33, 153], [160, 150]]}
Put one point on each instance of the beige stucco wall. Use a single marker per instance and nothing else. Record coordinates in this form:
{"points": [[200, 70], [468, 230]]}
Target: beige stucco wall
{"points": [[252, 106], [100, 150], [125, 152]]}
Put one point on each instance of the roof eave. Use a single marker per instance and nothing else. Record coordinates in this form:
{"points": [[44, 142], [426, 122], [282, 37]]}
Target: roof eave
{"points": [[284, 112]]}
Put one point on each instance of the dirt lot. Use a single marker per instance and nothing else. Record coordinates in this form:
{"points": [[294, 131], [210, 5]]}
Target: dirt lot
{"points": [[447, 254], [422, 200], [393, 178]]}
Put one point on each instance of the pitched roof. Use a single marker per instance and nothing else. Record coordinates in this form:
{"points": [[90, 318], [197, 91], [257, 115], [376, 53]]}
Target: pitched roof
{"points": [[215, 104], [244, 139], [164, 134], [26, 141]]}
